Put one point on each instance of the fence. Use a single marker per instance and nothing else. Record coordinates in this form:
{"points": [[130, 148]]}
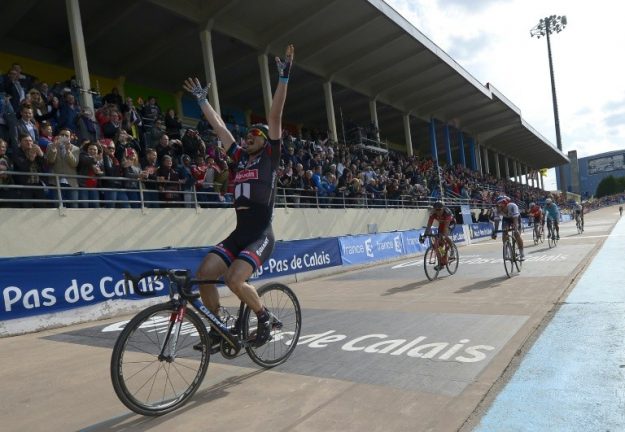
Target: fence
{"points": [[153, 193]]}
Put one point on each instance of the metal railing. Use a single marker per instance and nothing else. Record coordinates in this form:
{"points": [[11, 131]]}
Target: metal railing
{"points": [[52, 194]]}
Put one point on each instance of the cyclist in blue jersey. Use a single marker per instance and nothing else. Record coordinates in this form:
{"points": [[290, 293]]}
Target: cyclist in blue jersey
{"points": [[238, 256], [552, 212]]}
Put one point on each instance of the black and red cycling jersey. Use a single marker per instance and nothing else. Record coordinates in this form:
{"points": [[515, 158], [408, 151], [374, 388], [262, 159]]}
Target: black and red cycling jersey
{"points": [[445, 217]]}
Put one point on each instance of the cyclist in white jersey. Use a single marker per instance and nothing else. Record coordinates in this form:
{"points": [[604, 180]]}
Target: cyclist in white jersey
{"points": [[510, 216]]}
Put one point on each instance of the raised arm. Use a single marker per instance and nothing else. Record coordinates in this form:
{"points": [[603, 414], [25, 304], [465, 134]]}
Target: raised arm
{"points": [[274, 121], [194, 87]]}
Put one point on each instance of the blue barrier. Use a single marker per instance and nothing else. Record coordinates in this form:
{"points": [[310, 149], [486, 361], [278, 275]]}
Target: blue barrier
{"points": [[41, 285], [373, 247], [480, 229]]}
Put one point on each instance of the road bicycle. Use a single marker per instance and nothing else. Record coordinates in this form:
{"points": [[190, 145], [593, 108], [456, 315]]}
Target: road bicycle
{"points": [[552, 240], [537, 233], [511, 253], [579, 223], [162, 354], [439, 255]]}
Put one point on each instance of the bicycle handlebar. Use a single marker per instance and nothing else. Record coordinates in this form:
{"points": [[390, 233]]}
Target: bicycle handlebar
{"points": [[179, 276]]}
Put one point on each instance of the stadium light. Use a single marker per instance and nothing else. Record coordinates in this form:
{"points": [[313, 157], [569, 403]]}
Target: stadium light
{"points": [[545, 27]]}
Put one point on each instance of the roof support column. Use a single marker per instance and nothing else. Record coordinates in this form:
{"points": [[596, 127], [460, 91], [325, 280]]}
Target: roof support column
{"points": [[517, 175], [486, 162], [448, 146], [463, 160], [209, 69], [407, 134], [373, 110], [327, 92], [506, 167], [478, 154], [266, 84], [433, 146], [497, 167], [542, 182], [79, 52], [472, 154], [527, 179]]}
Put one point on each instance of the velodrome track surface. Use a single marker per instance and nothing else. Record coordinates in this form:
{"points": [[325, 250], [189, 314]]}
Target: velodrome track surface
{"points": [[382, 349]]}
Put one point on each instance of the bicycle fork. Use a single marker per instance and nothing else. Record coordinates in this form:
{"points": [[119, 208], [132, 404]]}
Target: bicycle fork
{"points": [[173, 333]]}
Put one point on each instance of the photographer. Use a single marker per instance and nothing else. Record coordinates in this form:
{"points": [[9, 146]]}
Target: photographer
{"points": [[63, 157]]}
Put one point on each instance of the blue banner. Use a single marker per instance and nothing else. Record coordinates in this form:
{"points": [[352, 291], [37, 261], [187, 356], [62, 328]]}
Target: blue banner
{"points": [[410, 239], [373, 247], [481, 229], [42, 285]]}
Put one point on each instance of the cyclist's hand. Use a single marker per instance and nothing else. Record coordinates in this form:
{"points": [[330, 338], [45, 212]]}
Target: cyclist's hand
{"points": [[493, 236], [194, 87], [421, 239]]}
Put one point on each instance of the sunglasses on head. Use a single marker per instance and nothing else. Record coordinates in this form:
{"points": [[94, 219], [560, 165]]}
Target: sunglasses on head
{"points": [[257, 133]]}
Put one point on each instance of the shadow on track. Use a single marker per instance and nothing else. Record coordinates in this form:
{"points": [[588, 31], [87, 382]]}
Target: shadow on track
{"points": [[483, 284]]}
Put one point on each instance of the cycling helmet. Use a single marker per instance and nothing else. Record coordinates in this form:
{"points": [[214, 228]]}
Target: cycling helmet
{"points": [[438, 205], [548, 201], [502, 199]]}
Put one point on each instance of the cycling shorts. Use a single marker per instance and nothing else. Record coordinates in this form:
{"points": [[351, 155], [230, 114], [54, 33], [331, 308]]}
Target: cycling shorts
{"points": [[507, 222], [249, 241]]}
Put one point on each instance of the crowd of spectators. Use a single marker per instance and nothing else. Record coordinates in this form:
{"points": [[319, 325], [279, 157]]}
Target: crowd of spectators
{"points": [[130, 145]]}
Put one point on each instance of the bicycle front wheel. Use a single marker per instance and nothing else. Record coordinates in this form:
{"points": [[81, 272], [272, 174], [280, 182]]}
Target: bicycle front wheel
{"points": [[283, 304], [453, 259], [430, 263], [515, 255], [154, 367], [508, 257]]}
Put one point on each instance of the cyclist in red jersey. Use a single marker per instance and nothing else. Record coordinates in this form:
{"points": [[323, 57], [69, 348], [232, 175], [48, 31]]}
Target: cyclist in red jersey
{"points": [[445, 218], [238, 256], [536, 212]]}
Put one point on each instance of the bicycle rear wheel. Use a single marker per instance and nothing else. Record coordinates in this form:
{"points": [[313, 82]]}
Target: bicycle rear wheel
{"points": [[453, 259], [283, 304], [430, 263], [151, 383], [508, 258], [541, 234]]}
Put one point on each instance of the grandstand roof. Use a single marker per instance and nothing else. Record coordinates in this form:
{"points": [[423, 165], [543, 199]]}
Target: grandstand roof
{"points": [[363, 46]]}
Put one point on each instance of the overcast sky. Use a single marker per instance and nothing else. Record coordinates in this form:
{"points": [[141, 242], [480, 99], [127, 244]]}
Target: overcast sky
{"points": [[491, 40]]}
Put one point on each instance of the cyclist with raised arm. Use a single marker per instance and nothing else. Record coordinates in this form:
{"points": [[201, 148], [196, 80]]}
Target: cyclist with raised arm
{"points": [[445, 218], [537, 215], [552, 212], [238, 256], [510, 217]]}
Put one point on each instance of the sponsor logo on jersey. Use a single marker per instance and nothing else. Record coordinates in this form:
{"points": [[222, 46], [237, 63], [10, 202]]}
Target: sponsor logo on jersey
{"points": [[245, 175]]}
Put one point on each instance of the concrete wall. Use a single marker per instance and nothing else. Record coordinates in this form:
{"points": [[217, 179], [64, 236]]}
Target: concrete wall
{"points": [[30, 232]]}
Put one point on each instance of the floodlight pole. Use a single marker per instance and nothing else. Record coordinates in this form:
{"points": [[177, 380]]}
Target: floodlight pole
{"points": [[545, 27]]}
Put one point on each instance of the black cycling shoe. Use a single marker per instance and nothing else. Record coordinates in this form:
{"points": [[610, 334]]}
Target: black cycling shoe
{"points": [[266, 323]]}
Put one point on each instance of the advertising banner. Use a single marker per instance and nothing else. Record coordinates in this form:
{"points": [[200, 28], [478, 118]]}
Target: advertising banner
{"points": [[481, 229], [365, 248], [410, 239], [42, 285]]}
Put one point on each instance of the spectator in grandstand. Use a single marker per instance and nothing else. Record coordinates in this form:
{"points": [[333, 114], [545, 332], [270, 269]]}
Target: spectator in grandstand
{"points": [[41, 111], [14, 89], [150, 166], [111, 128], [132, 170], [45, 136], [5, 179], [154, 136], [204, 128], [171, 148], [150, 113], [132, 121], [168, 182], [113, 98], [89, 164], [114, 197], [62, 157], [87, 129], [193, 144], [26, 125], [172, 124], [29, 160], [187, 180], [69, 111], [123, 142]]}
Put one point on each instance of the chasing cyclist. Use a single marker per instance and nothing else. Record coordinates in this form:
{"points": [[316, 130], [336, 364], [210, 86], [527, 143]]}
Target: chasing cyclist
{"points": [[537, 215], [552, 212], [238, 256], [445, 218], [579, 215], [510, 217]]}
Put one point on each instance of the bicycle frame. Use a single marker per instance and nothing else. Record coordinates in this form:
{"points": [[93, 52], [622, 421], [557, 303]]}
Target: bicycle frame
{"points": [[436, 244], [180, 285]]}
